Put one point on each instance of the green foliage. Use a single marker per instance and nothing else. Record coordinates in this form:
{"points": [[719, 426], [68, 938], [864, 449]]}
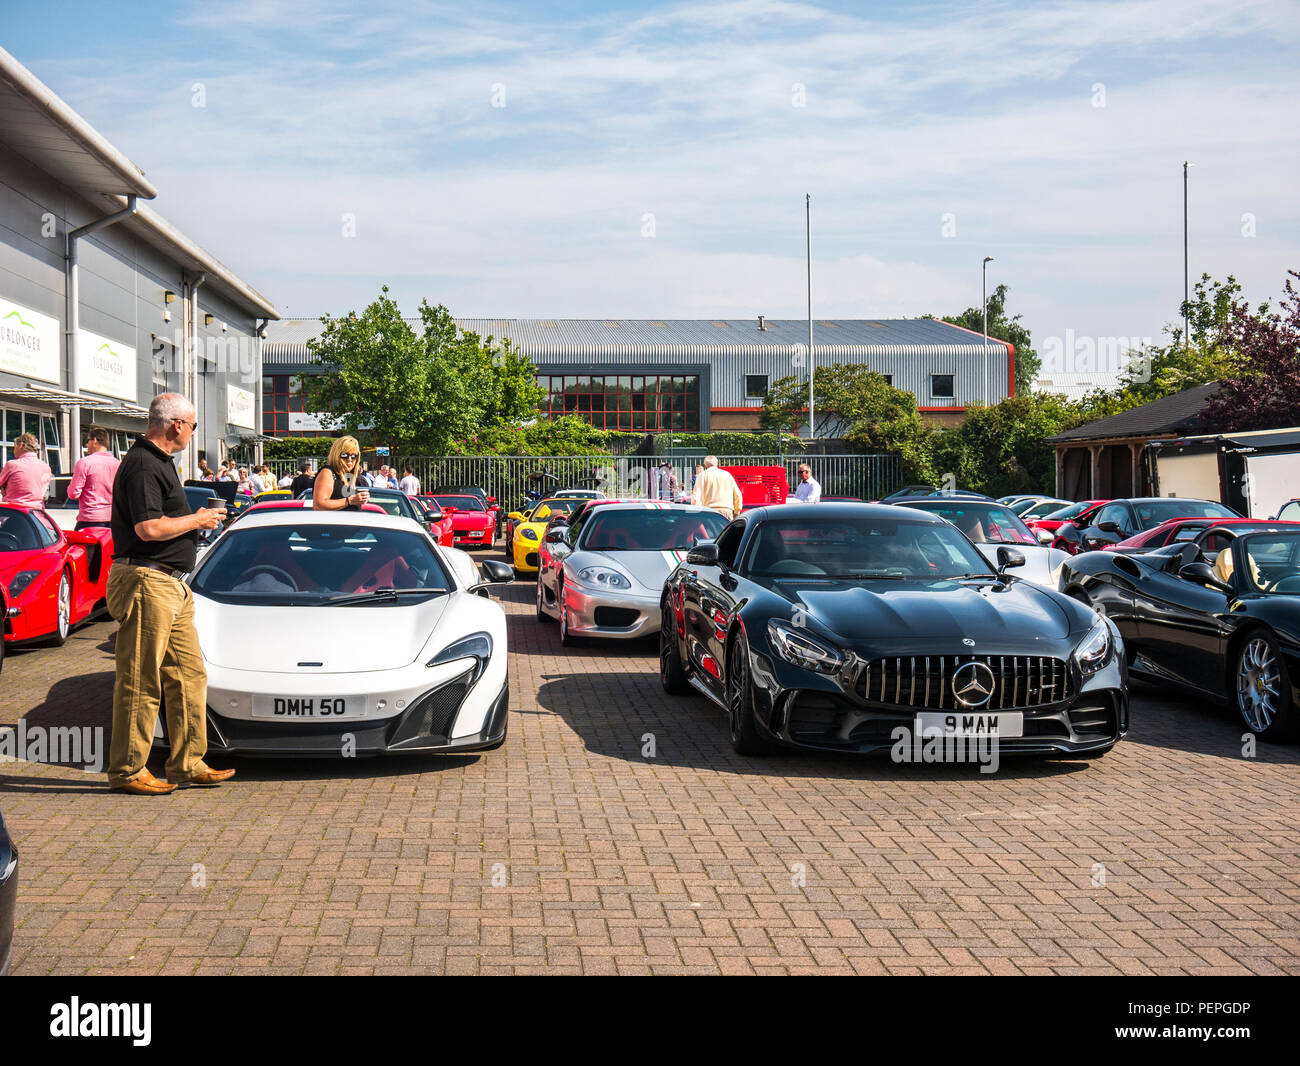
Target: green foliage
{"points": [[565, 435], [728, 443], [1006, 329], [297, 447], [1001, 449]]}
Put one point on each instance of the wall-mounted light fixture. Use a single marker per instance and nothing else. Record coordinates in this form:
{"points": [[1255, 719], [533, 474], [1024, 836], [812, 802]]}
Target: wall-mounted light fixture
{"points": [[167, 315], [207, 320], [224, 327], [169, 297]]}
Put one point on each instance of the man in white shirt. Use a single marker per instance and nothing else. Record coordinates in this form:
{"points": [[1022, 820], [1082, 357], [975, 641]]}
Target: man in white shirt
{"points": [[808, 491], [716, 489], [409, 484]]}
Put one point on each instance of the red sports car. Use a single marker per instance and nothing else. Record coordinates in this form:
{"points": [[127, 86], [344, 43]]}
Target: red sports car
{"points": [[440, 526], [473, 525], [1065, 532], [1174, 530], [52, 578]]}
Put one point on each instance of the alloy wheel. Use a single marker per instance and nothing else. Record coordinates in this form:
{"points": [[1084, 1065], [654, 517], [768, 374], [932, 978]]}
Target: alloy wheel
{"points": [[737, 686], [65, 606], [1259, 684]]}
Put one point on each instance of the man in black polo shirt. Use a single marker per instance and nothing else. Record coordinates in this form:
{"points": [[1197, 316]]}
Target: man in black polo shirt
{"points": [[155, 538], [304, 481]]}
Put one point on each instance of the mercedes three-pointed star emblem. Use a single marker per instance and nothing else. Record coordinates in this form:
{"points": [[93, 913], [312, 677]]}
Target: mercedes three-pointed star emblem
{"points": [[972, 684]]}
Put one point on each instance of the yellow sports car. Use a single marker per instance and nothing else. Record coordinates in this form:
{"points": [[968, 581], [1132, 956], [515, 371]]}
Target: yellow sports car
{"points": [[521, 547]]}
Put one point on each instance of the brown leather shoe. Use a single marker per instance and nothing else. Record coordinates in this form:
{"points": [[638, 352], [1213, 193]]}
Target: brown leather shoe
{"points": [[206, 779], [145, 785]]}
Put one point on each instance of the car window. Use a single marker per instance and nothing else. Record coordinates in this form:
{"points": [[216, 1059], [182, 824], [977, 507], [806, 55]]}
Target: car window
{"points": [[1153, 512], [1188, 531], [984, 523], [462, 503], [1072, 511], [729, 544], [649, 530], [45, 529], [1290, 512], [17, 532], [1274, 562], [1112, 512]]}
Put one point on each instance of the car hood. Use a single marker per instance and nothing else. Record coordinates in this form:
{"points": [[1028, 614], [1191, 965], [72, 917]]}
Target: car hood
{"points": [[932, 613], [342, 639], [650, 568]]}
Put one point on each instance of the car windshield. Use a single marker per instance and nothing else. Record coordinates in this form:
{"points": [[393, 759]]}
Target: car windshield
{"points": [[1153, 512], [649, 530], [984, 523], [553, 507], [306, 564], [393, 502], [862, 549], [1274, 562], [17, 532], [461, 503], [1073, 511]]}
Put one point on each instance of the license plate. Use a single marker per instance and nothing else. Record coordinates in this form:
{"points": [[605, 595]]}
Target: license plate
{"points": [[297, 708], [970, 724]]}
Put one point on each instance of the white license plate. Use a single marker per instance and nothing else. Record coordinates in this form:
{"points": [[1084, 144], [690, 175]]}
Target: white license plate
{"points": [[970, 724], [298, 708]]}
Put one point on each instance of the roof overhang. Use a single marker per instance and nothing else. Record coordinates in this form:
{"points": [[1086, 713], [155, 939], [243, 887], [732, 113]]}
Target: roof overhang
{"points": [[59, 398]]}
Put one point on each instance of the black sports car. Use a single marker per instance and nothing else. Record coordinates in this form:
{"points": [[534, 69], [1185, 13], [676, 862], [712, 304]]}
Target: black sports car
{"points": [[8, 896], [829, 627], [1121, 519], [1224, 624]]}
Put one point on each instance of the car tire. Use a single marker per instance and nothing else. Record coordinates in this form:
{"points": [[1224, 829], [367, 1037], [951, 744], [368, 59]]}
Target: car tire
{"points": [[672, 675], [63, 624], [542, 616], [1261, 687], [745, 738], [567, 637]]}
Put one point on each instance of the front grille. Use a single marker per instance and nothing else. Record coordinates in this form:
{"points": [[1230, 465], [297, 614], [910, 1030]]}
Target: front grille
{"points": [[616, 617], [926, 681], [433, 715]]}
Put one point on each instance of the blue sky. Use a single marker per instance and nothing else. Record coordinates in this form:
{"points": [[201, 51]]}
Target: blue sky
{"points": [[1050, 136]]}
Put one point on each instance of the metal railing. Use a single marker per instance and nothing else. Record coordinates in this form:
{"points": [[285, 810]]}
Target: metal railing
{"points": [[865, 477]]}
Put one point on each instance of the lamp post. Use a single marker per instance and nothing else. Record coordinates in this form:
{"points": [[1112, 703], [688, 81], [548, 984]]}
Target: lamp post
{"points": [[812, 430], [987, 260], [1186, 292]]}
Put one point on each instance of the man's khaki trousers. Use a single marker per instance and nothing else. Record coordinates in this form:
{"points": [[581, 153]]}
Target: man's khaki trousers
{"points": [[157, 653]]}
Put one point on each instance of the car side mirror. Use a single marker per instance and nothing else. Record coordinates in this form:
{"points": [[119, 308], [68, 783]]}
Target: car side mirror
{"points": [[494, 572], [703, 554], [1045, 536], [1108, 527], [515, 516], [1203, 574], [557, 536], [1008, 558]]}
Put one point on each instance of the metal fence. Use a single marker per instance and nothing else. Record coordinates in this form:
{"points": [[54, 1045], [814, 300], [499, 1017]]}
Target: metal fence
{"points": [[865, 477]]}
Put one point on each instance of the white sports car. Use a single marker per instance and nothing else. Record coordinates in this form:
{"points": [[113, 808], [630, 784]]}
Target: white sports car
{"points": [[341, 633], [602, 574], [990, 525]]}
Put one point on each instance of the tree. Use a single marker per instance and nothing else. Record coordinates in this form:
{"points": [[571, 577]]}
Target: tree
{"points": [[1006, 329], [415, 391], [1264, 393], [1000, 449]]}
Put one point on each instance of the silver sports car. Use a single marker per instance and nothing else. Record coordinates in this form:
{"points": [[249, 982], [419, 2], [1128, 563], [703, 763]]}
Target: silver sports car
{"points": [[603, 575]]}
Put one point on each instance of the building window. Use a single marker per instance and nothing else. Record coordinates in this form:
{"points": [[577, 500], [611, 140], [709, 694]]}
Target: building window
{"points": [[755, 386], [941, 386], [635, 402]]}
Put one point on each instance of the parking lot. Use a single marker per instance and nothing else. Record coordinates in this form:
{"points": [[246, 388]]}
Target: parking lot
{"points": [[617, 832]]}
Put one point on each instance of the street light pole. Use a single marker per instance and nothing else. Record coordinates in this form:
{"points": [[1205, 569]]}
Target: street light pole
{"points": [[987, 260], [812, 430], [1186, 291]]}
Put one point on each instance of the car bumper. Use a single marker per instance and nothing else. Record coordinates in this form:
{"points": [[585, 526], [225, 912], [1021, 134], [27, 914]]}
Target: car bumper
{"points": [[620, 615], [8, 904], [473, 538], [412, 709], [805, 710], [524, 555]]}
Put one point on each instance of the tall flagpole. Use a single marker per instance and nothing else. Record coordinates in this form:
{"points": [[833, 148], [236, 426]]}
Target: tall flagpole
{"points": [[812, 431]]}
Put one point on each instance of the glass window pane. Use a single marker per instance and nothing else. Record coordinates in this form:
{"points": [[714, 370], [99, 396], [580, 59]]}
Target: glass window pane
{"points": [[32, 425]]}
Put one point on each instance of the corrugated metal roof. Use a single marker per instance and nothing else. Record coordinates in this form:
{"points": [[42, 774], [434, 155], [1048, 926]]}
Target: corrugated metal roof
{"points": [[575, 338]]}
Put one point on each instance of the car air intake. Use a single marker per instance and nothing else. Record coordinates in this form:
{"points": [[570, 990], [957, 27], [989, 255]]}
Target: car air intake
{"points": [[616, 617], [930, 682]]}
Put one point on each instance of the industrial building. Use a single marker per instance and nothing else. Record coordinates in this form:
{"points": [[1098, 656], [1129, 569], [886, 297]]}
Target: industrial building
{"points": [[103, 303], [691, 375]]}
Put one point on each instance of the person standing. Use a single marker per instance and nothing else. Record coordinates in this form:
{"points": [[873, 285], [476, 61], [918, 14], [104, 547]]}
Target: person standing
{"points": [[336, 485], [256, 485], [26, 478], [808, 489], [410, 484], [304, 481], [716, 489], [155, 538], [92, 481]]}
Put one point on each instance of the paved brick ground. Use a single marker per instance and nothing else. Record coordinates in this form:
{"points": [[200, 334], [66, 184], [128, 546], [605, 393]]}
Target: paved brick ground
{"points": [[569, 851]]}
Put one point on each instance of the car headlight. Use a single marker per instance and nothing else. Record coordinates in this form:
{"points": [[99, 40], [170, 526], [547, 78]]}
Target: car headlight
{"points": [[799, 647], [604, 577], [1095, 650], [20, 582], [528, 534], [477, 646]]}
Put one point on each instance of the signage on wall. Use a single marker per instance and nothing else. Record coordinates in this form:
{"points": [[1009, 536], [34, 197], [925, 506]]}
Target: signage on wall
{"points": [[105, 366], [239, 408], [29, 342]]}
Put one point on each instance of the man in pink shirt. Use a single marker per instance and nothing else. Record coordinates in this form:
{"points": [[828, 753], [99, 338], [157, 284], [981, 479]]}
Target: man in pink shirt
{"points": [[92, 481], [25, 479]]}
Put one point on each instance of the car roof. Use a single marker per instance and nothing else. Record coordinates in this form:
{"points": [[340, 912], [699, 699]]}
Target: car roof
{"points": [[647, 505], [837, 510], [289, 516]]}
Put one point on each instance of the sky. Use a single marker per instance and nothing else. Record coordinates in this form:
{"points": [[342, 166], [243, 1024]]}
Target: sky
{"points": [[575, 160]]}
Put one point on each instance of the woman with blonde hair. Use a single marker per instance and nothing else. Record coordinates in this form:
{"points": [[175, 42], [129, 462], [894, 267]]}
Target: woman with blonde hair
{"points": [[335, 487]]}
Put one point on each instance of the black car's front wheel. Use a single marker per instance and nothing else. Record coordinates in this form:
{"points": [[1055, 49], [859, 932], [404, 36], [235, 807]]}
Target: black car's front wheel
{"points": [[671, 674], [745, 737], [1263, 688]]}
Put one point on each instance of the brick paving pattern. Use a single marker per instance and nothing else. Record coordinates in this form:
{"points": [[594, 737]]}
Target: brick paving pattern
{"points": [[569, 851]]}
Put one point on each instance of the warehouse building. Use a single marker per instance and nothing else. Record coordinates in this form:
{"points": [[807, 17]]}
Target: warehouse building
{"points": [[103, 303], [691, 375]]}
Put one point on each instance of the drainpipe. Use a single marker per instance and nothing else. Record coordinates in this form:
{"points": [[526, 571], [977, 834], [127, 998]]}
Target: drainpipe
{"points": [[192, 373], [257, 387], [73, 311]]}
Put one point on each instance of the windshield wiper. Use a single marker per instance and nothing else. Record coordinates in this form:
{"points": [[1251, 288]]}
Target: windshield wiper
{"points": [[971, 577], [377, 596]]}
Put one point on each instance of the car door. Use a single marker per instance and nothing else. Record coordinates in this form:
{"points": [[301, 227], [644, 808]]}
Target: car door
{"points": [[1178, 625], [1116, 512], [707, 607]]}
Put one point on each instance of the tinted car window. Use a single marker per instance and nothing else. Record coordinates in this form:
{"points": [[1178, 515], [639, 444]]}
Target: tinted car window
{"points": [[461, 503], [1274, 563], [307, 564], [983, 523], [1067, 512], [729, 544], [1153, 512], [17, 532], [649, 530]]}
